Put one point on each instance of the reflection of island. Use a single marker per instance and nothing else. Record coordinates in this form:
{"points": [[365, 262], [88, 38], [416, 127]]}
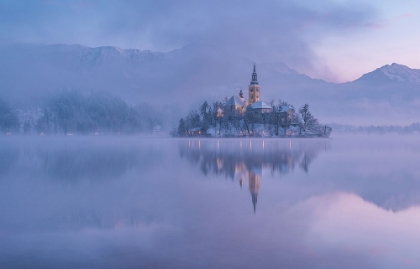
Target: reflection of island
{"points": [[72, 161], [247, 159]]}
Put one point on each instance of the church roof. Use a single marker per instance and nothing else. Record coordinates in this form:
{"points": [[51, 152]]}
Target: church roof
{"points": [[235, 101], [260, 105]]}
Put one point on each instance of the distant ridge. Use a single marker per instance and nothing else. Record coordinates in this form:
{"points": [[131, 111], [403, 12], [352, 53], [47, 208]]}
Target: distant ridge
{"points": [[394, 72]]}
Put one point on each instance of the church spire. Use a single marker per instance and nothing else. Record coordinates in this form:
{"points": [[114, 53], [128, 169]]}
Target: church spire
{"points": [[254, 200], [254, 76]]}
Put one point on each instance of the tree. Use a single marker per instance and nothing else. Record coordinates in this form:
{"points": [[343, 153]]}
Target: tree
{"points": [[250, 120], [283, 103], [205, 111], [327, 130], [217, 116], [275, 120], [182, 128], [193, 120], [304, 113], [9, 120], [310, 124]]}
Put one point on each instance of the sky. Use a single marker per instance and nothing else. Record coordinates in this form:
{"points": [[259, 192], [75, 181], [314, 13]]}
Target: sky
{"points": [[334, 40]]}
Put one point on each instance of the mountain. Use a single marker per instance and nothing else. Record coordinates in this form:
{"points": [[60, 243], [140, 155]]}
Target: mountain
{"points": [[394, 73], [197, 72]]}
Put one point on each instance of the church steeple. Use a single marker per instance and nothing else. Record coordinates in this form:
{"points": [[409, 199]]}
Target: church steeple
{"points": [[254, 196], [254, 77]]}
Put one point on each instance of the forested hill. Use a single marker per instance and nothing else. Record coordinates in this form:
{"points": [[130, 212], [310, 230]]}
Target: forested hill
{"points": [[69, 112]]}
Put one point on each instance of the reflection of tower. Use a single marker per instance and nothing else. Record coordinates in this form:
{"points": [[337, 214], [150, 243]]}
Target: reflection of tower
{"points": [[254, 89], [254, 181]]}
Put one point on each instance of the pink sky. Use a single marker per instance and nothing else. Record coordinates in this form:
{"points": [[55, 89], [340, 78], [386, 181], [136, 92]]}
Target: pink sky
{"points": [[395, 37]]}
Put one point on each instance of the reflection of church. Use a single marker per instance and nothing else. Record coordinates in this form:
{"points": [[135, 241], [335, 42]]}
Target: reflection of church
{"points": [[237, 162], [254, 180]]}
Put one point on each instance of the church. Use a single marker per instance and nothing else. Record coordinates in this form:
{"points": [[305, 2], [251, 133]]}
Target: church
{"points": [[238, 102]]}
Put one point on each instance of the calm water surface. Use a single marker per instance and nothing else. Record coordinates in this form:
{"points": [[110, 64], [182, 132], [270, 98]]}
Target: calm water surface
{"points": [[75, 202]]}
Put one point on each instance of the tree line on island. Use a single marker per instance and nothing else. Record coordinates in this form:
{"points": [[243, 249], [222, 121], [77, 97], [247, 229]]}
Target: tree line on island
{"points": [[222, 120]]}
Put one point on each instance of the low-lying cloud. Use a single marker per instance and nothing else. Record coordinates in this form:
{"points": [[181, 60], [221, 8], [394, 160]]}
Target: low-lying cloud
{"points": [[272, 30]]}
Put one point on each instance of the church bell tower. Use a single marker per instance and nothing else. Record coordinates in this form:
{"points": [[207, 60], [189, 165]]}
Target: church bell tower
{"points": [[254, 89]]}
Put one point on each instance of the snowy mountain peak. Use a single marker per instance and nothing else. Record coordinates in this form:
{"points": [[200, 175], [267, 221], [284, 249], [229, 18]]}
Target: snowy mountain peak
{"points": [[401, 73], [394, 72]]}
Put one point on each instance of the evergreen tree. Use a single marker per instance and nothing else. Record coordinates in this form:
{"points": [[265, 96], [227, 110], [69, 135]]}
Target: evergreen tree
{"points": [[9, 120], [182, 128]]}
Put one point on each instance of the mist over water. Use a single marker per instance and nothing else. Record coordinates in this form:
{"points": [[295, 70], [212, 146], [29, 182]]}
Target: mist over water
{"points": [[128, 202]]}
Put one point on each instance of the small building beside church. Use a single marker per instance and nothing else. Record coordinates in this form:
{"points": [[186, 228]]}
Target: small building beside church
{"points": [[261, 108], [236, 103], [285, 111]]}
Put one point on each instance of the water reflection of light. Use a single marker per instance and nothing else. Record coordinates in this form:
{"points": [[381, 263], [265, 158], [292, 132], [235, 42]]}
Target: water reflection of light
{"points": [[219, 164]]}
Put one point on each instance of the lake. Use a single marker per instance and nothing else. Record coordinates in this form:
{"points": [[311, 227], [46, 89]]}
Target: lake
{"points": [[128, 202]]}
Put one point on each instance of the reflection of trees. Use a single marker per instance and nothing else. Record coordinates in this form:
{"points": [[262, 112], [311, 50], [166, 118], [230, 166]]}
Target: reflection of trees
{"points": [[94, 163], [72, 160], [232, 158]]}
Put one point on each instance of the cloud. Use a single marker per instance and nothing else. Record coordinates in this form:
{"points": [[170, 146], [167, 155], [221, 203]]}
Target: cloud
{"points": [[263, 31]]}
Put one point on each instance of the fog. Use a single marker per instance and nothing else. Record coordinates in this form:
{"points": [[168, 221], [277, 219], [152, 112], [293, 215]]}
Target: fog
{"points": [[275, 30]]}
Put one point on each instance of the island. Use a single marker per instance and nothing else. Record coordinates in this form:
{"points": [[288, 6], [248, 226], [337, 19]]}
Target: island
{"points": [[237, 117]]}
